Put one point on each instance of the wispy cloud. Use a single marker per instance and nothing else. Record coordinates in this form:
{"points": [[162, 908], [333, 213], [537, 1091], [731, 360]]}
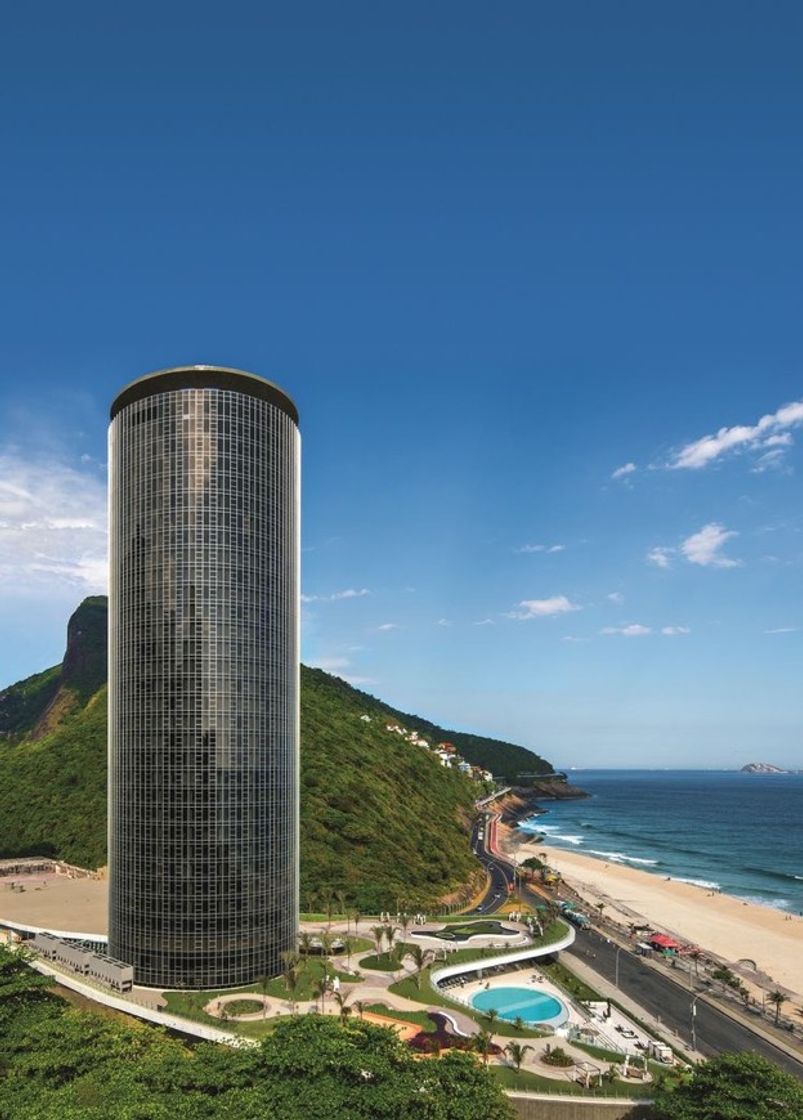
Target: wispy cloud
{"points": [[616, 597], [336, 596], [705, 547], [388, 626], [542, 608], [660, 557], [52, 524], [783, 630], [444, 622], [632, 630], [337, 665], [485, 622], [675, 631], [771, 431], [525, 548], [625, 470]]}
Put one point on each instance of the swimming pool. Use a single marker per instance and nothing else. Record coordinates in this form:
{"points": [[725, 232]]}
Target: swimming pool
{"points": [[529, 1004]]}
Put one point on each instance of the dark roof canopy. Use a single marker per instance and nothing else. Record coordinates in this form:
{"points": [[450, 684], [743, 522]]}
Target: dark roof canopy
{"points": [[203, 377]]}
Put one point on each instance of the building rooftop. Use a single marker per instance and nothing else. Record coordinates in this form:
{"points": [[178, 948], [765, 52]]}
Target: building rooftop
{"points": [[58, 903]]}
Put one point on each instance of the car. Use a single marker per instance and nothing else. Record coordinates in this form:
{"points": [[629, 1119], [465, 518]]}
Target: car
{"points": [[480, 909], [628, 1033]]}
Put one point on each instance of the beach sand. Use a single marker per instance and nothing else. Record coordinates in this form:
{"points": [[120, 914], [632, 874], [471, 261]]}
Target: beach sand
{"points": [[721, 924]]}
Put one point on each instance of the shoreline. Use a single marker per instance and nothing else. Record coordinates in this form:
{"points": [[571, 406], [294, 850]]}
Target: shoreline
{"points": [[723, 925]]}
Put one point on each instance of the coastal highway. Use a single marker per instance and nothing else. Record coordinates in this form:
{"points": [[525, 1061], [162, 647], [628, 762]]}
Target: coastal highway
{"points": [[498, 869], [671, 1003], [655, 992]]}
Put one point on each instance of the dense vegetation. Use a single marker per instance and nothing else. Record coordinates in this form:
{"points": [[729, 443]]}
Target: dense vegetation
{"points": [[381, 821], [62, 1064], [505, 760], [732, 1087]]}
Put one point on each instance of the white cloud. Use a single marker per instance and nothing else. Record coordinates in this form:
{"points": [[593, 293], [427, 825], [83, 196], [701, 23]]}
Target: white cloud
{"points": [[674, 631], [52, 525], [543, 608], [705, 547], [485, 622], [349, 593], [444, 622], [624, 471], [660, 557], [783, 630], [388, 626], [541, 548], [616, 597], [771, 430], [574, 641], [330, 664], [632, 630]]}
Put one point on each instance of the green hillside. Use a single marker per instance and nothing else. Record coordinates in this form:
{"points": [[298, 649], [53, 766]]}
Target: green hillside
{"points": [[381, 820]]}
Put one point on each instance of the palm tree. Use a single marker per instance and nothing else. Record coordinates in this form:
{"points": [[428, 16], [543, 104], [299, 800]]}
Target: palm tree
{"points": [[492, 1014], [319, 992], [390, 935], [518, 1023], [360, 1005], [378, 933], [264, 985], [515, 1051], [404, 922], [345, 1007], [420, 958], [305, 944], [483, 1041], [292, 977], [341, 902], [778, 998], [326, 943], [355, 917], [326, 898]]}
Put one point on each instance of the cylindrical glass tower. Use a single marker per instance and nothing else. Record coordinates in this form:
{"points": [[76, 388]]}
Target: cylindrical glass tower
{"points": [[203, 677]]}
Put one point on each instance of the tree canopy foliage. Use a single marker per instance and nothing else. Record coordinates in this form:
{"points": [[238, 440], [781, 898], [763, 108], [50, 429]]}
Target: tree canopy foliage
{"points": [[733, 1087], [63, 1064]]}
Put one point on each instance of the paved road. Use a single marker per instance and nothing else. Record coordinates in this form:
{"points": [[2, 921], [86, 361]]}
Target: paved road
{"points": [[657, 994], [500, 872], [671, 1003]]}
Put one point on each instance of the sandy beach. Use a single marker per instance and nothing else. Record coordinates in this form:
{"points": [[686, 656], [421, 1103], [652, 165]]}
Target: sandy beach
{"points": [[722, 925]]}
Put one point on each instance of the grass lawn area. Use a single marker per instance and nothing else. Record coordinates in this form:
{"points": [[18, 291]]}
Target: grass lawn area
{"points": [[535, 1082], [244, 1006], [191, 1004], [568, 981]]}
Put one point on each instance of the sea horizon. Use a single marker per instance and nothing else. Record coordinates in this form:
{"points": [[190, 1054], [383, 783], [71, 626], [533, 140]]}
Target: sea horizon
{"points": [[722, 830]]}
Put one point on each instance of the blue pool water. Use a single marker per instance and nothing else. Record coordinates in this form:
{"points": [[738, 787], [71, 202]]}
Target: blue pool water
{"points": [[521, 1003]]}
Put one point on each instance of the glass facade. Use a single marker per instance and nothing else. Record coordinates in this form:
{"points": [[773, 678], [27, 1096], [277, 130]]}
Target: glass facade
{"points": [[203, 678]]}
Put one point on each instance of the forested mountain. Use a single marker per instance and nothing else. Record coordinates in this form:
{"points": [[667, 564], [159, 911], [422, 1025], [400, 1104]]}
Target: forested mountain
{"points": [[381, 820]]}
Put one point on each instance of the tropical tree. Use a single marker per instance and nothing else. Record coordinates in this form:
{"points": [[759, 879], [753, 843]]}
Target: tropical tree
{"points": [[516, 1051], [390, 935], [778, 999], [360, 1005], [483, 1041], [305, 943], [292, 978], [264, 988], [405, 921], [420, 958], [320, 988], [731, 1087], [344, 1005], [348, 949], [492, 1014], [355, 917], [378, 934]]}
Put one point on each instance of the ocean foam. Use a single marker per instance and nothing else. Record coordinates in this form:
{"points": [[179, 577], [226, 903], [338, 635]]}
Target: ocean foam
{"points": [[707, 883], [620, 857]]}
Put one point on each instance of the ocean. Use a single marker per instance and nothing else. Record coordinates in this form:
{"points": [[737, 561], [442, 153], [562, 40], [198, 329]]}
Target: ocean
{"points": [[738, 833]]}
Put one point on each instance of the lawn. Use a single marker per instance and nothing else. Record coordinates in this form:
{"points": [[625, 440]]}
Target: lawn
{"points": [[524, 1080]]}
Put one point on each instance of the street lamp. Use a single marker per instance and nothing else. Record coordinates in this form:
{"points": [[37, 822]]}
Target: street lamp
{"points": [[694, 1021]]}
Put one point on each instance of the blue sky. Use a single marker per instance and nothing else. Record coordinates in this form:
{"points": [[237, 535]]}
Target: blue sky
{"points": [[496, 257]]}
